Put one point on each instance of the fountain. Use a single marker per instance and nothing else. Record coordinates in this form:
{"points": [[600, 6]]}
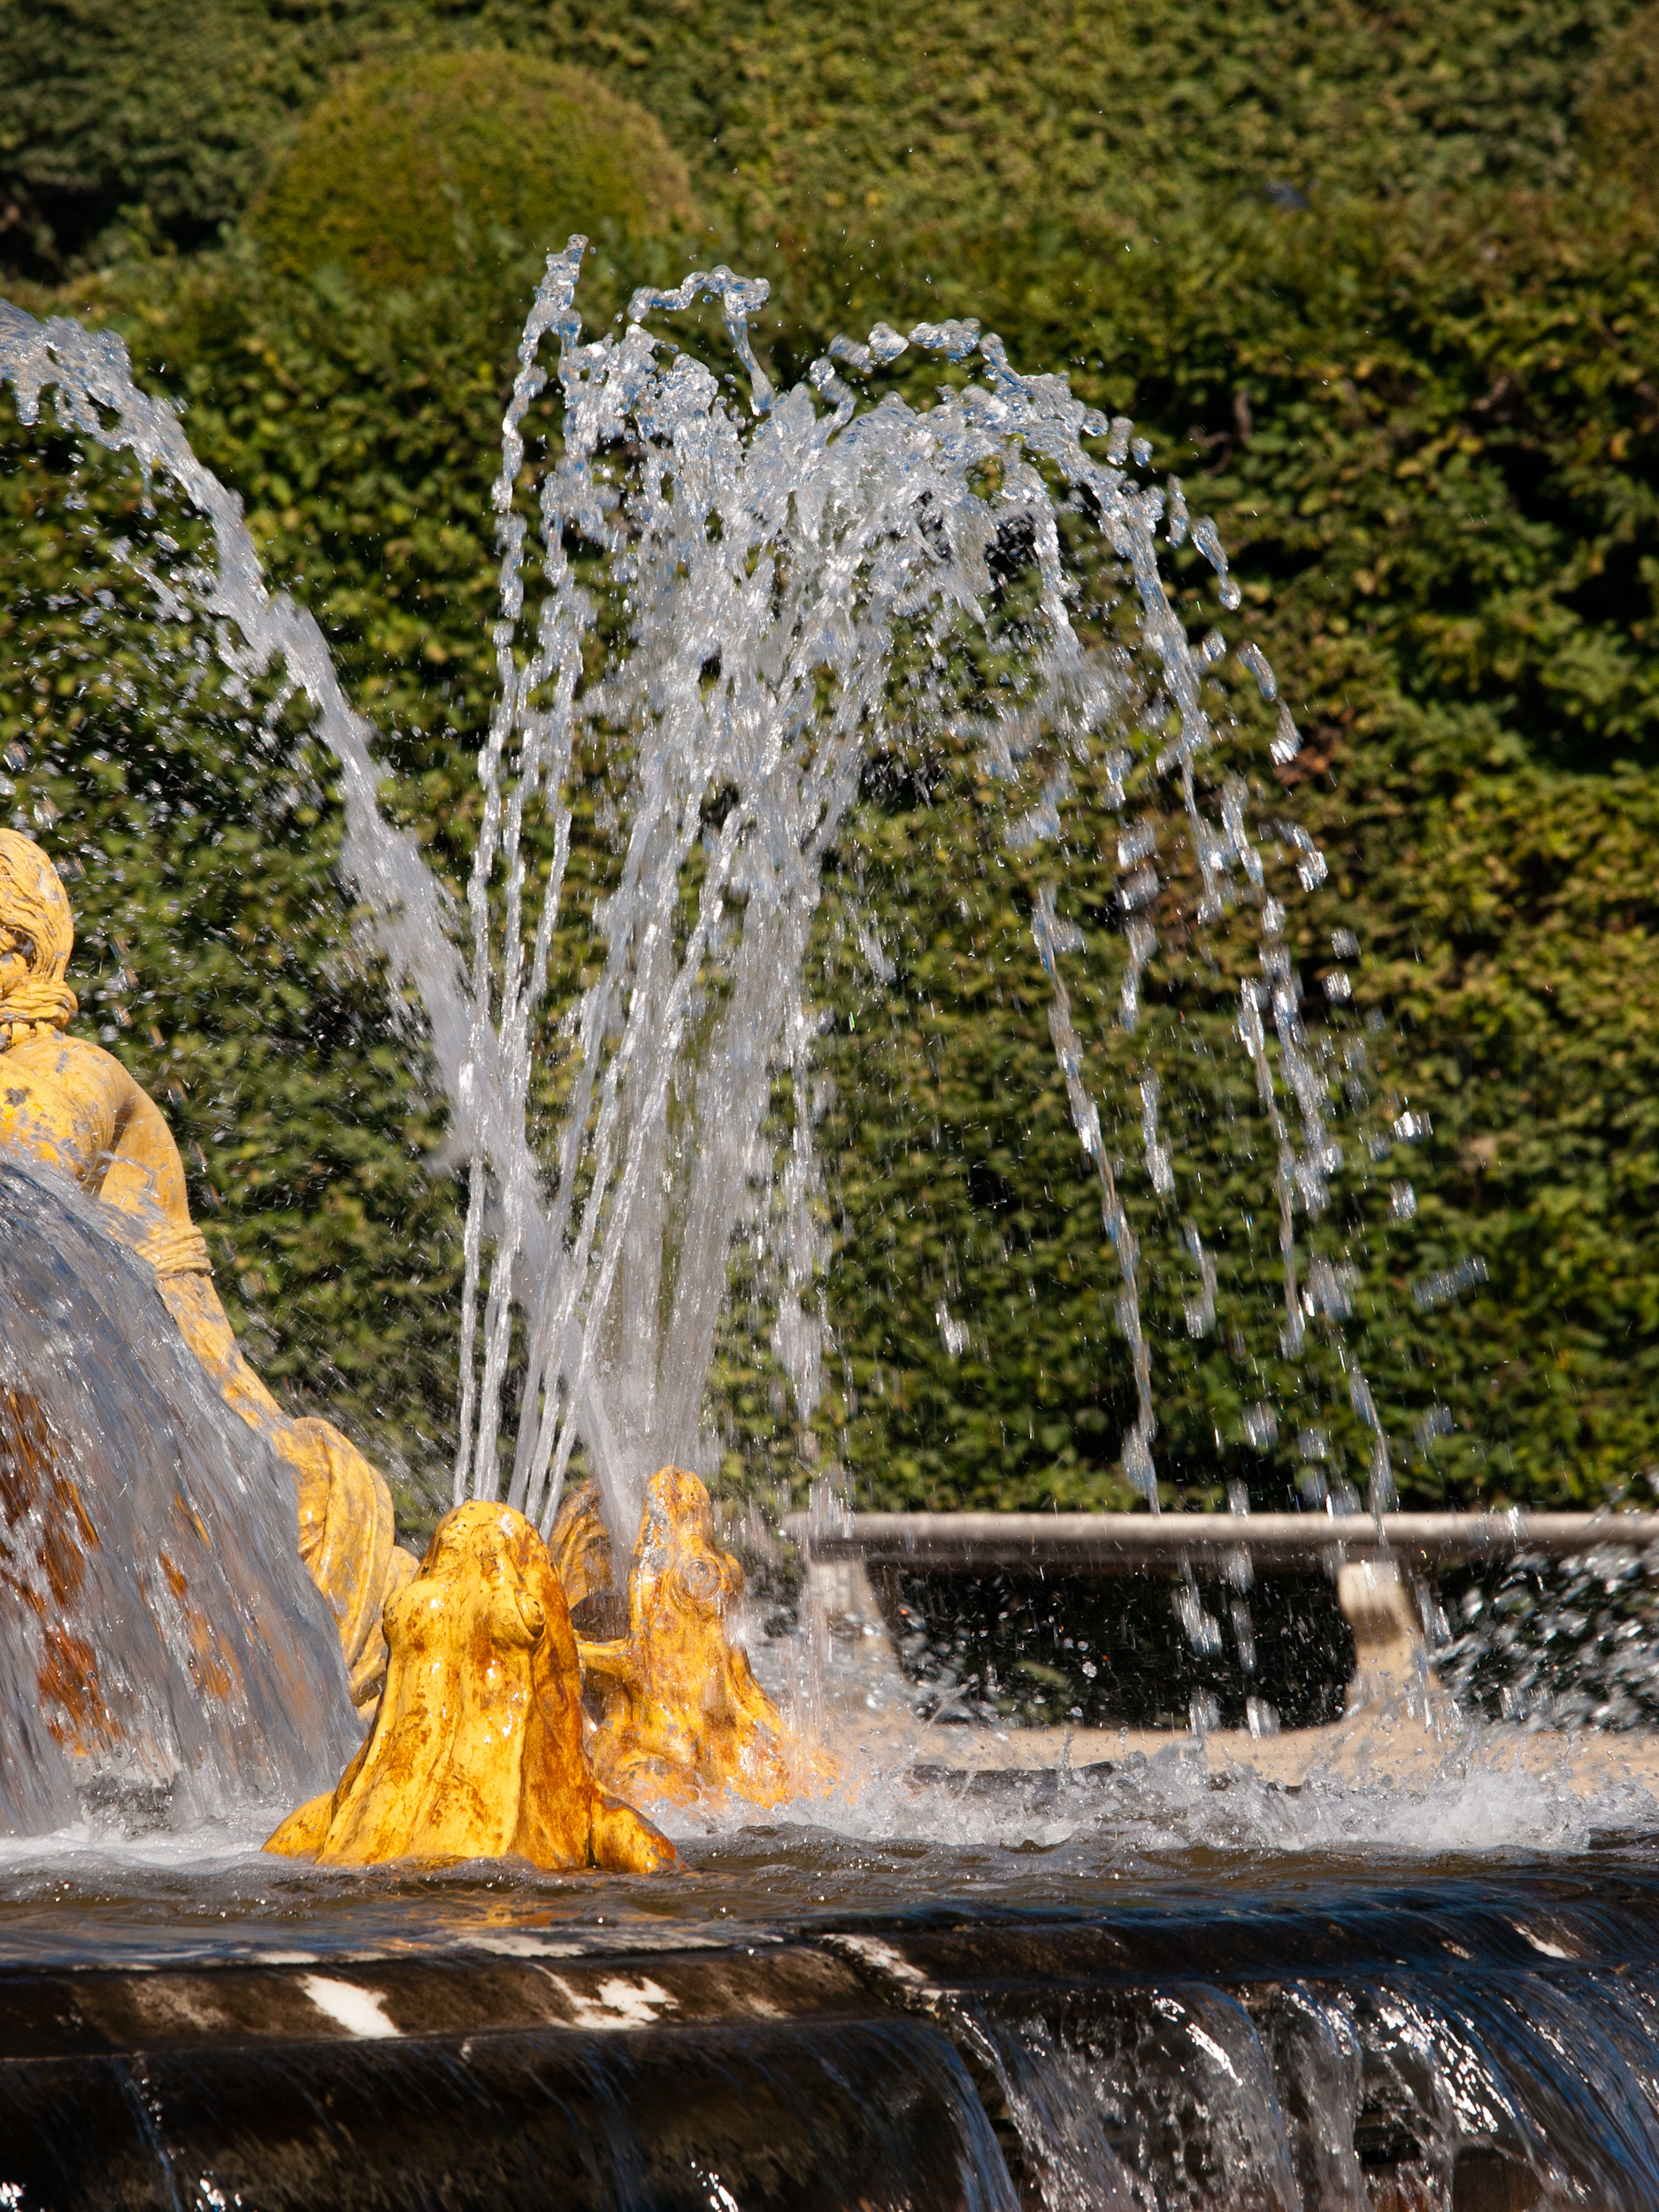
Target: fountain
{"points": [[479, 1739], [73, 1107], [916, 1960]]}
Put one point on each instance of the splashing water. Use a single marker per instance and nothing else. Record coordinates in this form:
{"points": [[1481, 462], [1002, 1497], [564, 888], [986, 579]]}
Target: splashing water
{"points": [[1558, 1643], [738, 608]]}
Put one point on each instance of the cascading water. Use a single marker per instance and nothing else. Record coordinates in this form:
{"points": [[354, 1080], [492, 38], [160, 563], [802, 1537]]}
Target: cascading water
{"points": [[167, 1657]]}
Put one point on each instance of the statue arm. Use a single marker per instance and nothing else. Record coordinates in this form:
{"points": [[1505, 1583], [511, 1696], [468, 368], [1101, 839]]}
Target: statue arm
{"points": [[144, 1181], [145, 1176]]}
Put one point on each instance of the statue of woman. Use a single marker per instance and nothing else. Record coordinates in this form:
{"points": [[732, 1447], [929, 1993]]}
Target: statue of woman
{"points": [[70, 1104], [683, 1715]]}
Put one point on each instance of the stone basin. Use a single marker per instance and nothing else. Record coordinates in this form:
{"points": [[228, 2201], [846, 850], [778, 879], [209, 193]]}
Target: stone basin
{"points": [[817, 2018]]}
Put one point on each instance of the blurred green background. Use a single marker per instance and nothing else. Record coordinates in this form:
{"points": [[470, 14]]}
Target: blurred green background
{"points": [[1381, 284]]}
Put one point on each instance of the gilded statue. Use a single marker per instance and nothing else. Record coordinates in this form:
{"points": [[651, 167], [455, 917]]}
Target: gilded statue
{"points": [[68, 1103], [581, 1549], [476, 1750], [682, 1715]]}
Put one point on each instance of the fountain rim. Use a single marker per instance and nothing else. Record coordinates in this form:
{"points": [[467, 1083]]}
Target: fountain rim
{"points": [[1125, 1543]]}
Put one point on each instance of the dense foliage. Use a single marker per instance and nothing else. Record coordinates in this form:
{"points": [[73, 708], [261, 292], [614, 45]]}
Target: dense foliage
{"points": [[1351, 272], [893, 130], [459, 164], [198, 836], [1431, 435]]}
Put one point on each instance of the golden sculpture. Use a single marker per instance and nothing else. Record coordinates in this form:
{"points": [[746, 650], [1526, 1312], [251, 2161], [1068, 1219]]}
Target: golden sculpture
{"points": [[476, 1751], [579, 1547], [74, 1105], [683, 1715]]}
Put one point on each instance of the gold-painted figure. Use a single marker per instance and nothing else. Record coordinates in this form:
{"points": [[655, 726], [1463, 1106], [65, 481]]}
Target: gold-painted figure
{"points": [[683, 1715], [476, 1751], [579, 1548], [68, 1103], [476, 1747]]}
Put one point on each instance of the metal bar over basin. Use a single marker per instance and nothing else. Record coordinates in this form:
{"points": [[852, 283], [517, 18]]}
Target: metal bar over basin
{"points": [[1122, 1543]]}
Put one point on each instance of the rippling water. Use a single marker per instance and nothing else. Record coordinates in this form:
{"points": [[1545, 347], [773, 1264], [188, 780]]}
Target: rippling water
{"points": [[1148, 1837]]}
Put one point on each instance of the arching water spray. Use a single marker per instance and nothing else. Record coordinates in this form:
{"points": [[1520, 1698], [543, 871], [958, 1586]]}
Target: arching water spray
{"points": [[739, 605]]}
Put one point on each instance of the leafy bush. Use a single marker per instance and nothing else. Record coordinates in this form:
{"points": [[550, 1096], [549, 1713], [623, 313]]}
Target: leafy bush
{"points": [[1429, 433], [881, 134], [452, 164], [1621, 109], [216, 954]]}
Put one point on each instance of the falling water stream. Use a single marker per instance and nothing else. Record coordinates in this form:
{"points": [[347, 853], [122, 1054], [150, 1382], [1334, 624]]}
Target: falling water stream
{"points": [[1123, 1986]]}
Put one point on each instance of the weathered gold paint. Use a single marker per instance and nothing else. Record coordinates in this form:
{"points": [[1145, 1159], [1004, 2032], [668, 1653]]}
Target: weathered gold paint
{"points": [[68, 1103], [683, 1713], [45, 1535], [476, 1751], [580, 1545]]}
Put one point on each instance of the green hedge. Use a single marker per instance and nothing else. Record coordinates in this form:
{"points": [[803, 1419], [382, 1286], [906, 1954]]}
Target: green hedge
{"points": [[883, 132], [464, 164], [1426, 424], [216, 953], [1430, 436]]}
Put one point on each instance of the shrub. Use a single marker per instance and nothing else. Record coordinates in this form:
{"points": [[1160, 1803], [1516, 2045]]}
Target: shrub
{"points": [[450, 164], [1621, 109]]}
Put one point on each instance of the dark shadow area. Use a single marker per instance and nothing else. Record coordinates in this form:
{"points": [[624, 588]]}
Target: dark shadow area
{"points": [[1106, 1651]]}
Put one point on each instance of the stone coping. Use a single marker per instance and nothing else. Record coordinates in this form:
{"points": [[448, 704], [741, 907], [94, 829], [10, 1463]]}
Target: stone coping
{"points": [[1125, 1543]]}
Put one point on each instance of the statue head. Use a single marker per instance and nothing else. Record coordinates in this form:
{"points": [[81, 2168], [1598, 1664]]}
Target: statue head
{"points": [[679, 1566], [37, 935]]}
